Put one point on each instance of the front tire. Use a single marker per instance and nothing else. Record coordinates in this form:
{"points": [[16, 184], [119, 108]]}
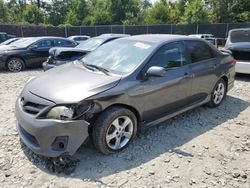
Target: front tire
{"points": [[218, 94], [114, 129], [15, 64]]}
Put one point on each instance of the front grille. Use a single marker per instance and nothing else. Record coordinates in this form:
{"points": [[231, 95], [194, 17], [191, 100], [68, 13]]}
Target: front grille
{"points": [[28, 136], [241, 55], [31, 107]]}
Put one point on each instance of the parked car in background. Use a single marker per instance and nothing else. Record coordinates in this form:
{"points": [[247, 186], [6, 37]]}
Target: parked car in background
{"points": [[138, 80], [217, 42], [59, 56], [79, 38], [9, 41], [30, 52], [202, 36], [3, 37], [238, 42]]}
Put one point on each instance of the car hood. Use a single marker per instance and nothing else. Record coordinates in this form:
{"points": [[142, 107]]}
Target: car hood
{"points": [[70, 83], [5, 48], [244, 46]]}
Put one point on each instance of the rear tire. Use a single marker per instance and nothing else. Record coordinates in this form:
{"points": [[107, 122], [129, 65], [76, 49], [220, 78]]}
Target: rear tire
{"points": [[114, 129], [218, 94], [15, 64]]}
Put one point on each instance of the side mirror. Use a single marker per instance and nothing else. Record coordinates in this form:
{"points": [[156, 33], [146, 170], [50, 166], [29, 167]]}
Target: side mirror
{"points": [[33, 47], [155, 71]]}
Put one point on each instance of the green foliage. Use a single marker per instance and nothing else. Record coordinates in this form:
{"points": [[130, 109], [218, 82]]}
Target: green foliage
{"points": [[194, 13], [130, 12], [159, 14], [33, 15], [4, 15]]}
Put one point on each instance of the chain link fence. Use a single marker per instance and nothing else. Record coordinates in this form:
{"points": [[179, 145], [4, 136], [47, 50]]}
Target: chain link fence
{"points": [[218, 30]]}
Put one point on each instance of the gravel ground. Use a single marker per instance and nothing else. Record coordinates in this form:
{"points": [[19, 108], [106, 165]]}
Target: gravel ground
{"points": [[201, 148]]}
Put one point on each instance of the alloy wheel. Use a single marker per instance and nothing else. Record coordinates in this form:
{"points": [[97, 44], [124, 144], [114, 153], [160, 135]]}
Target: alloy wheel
{"points": [[119, 132], [15, 65], [219, 93]]}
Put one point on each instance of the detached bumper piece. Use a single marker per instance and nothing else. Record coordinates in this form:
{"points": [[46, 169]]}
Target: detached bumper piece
{"points": [[48, 137]]}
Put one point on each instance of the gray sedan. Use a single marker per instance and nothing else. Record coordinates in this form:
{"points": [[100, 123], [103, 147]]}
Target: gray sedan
{"points": [[130, 82]]}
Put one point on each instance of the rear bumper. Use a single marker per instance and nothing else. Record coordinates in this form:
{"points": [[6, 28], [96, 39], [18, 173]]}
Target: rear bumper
{"points": [[242, 67], [47, 137]]}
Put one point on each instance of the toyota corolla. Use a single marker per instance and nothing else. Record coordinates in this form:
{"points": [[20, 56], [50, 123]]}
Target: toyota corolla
{"points": [[135, 81]]}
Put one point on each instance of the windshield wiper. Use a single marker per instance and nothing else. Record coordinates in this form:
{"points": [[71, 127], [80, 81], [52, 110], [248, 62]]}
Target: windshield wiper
{"points": [[105, 71]]}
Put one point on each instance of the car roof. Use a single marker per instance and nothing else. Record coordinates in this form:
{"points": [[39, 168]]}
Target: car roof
{"points": [[160, 38], [239, 29], [112, 35], [78, 36]]}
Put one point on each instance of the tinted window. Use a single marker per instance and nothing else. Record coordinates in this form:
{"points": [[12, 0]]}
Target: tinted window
{"points": [[80, 38], [45, 44], [60, 42], [199, 51], [240, 36], [169, 56]]}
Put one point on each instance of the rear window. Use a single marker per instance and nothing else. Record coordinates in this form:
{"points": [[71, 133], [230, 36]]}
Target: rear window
{"points": [[240, 36]]}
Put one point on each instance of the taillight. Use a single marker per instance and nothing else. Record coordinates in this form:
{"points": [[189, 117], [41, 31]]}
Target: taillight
{"points": [[234, 62]]}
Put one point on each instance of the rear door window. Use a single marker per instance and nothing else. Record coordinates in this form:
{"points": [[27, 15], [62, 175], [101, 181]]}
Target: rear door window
{"points": [[199, 51], [45, 44], [61, 42]]}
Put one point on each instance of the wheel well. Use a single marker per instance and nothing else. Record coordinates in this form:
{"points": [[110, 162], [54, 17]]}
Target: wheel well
{"points": [[225, 79], [132, 109]]}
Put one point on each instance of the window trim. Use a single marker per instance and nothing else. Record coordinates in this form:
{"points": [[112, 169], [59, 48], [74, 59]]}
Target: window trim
{"points": [[166, 44]]}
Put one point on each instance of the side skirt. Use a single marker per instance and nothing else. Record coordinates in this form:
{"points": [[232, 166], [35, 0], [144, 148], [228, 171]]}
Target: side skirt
{"points": [[160, 120]]}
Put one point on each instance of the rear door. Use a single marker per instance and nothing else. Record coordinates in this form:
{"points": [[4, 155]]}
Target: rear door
{"points": [[167, 94], [203, 68]]}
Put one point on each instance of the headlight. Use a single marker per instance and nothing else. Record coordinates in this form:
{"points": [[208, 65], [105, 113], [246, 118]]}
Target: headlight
{"points": [[71, 111], [61, 112]]}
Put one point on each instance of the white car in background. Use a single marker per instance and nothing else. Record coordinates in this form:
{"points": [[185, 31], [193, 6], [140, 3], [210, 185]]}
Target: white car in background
{"points": [[203, 36], [238, 43]]}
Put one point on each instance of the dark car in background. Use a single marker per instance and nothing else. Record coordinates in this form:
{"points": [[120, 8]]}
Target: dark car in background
{"points": [[30, 52], [138, 80], [59, 56], [3, 37], [238, 42]]}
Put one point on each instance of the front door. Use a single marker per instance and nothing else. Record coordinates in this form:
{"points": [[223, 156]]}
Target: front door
{"points": [[38, 55], [169, 93]]}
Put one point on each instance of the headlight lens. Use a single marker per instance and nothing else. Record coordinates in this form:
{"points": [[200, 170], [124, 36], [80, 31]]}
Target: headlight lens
{"points": [[61, 112], [71, 111]]}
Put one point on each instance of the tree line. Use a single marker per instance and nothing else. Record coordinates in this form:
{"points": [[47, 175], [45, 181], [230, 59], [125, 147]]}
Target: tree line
{"points": [[129, 12]]}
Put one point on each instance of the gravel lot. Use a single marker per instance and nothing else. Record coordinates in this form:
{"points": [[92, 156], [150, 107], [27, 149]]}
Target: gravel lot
{"points": [[201, 148]]}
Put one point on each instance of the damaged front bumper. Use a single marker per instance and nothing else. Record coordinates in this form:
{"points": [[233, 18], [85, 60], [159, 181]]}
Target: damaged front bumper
{"points": [[48, 137]]}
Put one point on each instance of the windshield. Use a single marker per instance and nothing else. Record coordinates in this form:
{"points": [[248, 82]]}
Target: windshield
{"points": [[240, 36], [23, 43], [119, 56], [90, 44], [7, 41]]}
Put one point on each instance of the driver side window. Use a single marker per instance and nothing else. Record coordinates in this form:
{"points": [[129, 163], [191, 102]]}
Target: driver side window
{"points": [[169, 56]]}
